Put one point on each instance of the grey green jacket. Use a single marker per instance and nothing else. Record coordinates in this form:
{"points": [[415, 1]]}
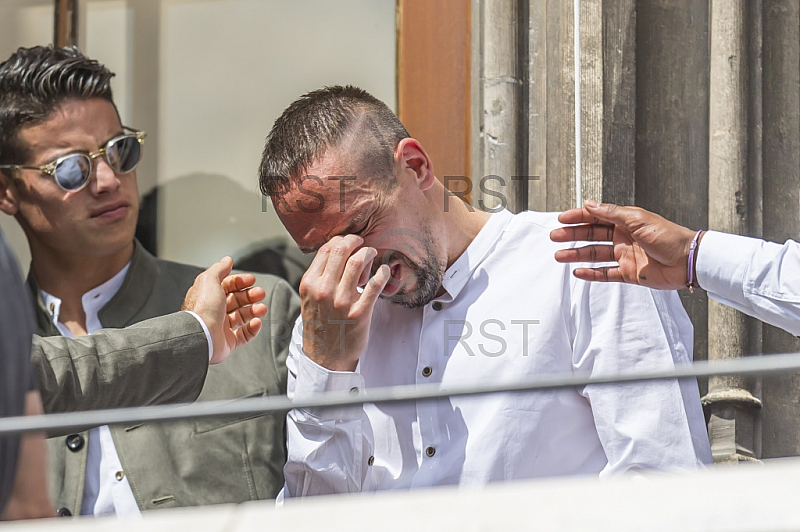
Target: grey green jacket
{"points": [[76, 374], [190, 462]]}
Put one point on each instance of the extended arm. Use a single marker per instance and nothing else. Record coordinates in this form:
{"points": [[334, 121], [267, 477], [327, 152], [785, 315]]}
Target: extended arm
{"points": [[761, 279], [108, 369], [170, 354]]}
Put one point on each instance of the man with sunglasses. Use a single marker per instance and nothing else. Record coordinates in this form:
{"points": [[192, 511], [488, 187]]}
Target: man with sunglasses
{"points": [[67, 174]]}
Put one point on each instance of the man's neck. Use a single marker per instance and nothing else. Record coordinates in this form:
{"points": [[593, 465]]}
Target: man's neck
{"points": [[69, 276], [461, 222]]}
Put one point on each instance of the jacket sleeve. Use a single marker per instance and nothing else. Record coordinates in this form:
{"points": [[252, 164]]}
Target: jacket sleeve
{"points": [[761, 279], [161, 360]]}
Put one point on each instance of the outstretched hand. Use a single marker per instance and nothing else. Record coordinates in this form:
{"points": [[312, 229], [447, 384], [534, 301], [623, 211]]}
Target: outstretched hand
{"points": [[229, 305], [650, 250]]}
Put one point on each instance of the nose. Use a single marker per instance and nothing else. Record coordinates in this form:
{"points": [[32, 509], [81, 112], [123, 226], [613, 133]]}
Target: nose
{"points": [[105, 180]]}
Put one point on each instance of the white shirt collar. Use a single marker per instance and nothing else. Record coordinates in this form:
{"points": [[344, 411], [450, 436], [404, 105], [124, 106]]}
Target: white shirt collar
{"points": [[459, 273], [92, 301]]}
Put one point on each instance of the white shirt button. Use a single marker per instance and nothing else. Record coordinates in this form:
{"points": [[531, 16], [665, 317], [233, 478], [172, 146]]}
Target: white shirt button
{"points": [[430, 451], [119, 476]]}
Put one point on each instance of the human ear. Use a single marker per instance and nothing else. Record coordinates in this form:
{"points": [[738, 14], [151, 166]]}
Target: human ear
{"points": [[414, 161], [8, 200]]}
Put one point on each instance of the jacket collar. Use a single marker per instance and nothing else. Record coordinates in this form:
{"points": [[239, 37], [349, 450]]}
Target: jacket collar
{"points": [[121, 310]]}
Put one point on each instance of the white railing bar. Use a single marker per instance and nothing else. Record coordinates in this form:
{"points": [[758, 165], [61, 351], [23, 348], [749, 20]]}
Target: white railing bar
{"points": [[65, 422]]}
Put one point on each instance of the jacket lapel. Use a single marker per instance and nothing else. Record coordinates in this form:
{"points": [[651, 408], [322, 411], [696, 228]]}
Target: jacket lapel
{"points": [[121, 311], [44, 322]]}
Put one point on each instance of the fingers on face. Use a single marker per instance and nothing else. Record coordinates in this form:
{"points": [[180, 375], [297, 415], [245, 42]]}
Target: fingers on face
{"points": [[357, 269], [340, 249], [597, 253], [374, 287]]}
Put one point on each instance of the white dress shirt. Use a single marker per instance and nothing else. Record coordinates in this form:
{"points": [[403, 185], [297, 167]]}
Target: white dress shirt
{"points": [[106, 490], [509, 312], [759, 278]]}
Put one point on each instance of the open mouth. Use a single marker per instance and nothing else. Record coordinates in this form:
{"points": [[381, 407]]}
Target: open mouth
{"points": [[395, 280]]}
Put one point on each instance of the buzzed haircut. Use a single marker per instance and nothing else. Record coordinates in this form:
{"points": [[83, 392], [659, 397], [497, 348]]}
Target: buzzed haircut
{"points": [[328, 118], [35, 82]]}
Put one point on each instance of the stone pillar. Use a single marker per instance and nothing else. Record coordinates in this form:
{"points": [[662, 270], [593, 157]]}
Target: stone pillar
{"points": [[523, 66], [501, 84], [781, 189]]}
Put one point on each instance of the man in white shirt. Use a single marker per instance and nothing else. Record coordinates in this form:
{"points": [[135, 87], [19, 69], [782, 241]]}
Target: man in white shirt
{"points": [[452, 295], [759, 278]]}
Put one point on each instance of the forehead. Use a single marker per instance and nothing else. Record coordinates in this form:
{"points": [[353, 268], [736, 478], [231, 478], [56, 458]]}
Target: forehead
{"points": [[327, 201], [74, 125]]}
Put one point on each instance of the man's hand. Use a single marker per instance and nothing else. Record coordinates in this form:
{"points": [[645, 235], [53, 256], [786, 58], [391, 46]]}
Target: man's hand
{"points": [[650, 250], [229, 305], [336, 317]]}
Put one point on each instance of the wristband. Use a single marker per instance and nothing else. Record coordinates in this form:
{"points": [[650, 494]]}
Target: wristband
{"points": [[690, 263]]}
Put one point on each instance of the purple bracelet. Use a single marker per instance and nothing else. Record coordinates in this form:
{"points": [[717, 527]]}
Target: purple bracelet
{"points": [[690, 265]]}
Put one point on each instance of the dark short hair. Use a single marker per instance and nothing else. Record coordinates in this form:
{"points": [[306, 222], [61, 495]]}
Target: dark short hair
{"points": [[34, 82], [324, 119]]}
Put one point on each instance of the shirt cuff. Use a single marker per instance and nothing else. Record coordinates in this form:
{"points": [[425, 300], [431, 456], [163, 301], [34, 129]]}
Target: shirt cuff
{"points": [[208, 334], [722, 261], [313, 380]]}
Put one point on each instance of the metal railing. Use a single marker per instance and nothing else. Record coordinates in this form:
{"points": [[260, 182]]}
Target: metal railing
{"points": [[240, 408]]}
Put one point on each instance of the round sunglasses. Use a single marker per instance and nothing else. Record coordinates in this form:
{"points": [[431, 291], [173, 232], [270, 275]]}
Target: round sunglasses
{"points": [[73, 171]]}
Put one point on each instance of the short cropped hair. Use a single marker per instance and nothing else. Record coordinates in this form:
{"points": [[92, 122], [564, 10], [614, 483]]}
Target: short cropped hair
{"points": [[34, 82], [328, 118]]}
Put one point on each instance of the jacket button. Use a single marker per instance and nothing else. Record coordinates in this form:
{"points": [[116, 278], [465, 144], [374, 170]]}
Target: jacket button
{"points": [[430, 451], [75, 442], [64, 512], [437, 305]]}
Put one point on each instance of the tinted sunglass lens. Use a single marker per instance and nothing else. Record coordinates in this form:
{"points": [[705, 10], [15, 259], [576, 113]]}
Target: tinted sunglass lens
{"points": [[73, 171], [124, 154]]}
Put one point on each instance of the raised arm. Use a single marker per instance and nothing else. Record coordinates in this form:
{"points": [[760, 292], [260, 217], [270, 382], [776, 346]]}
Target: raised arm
{"points": [[759, 278], [170, 353]]}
